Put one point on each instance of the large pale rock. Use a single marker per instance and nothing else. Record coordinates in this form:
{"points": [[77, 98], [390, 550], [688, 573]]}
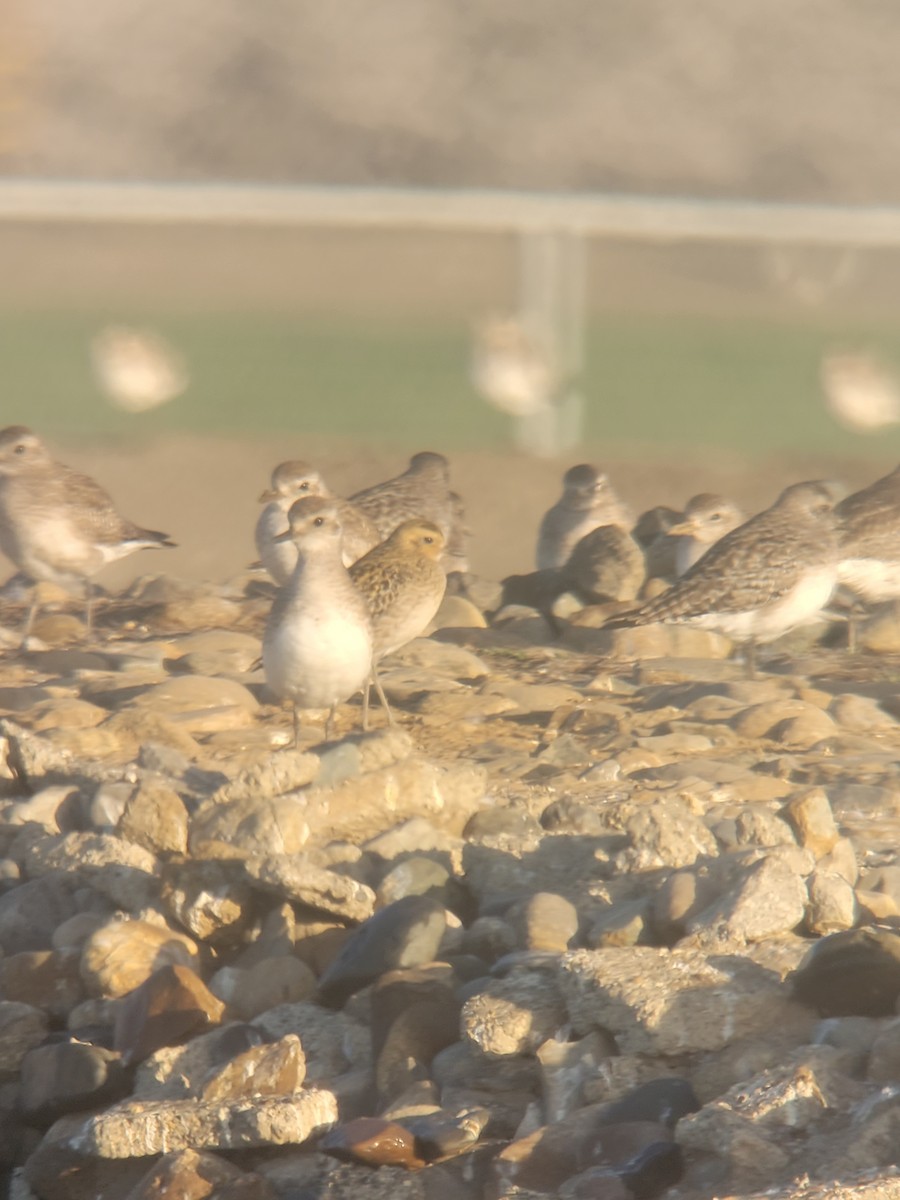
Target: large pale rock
{"points": [[813, 821], [248, 827], [155, 817], [124, 872], [298, 877], [333, 1043], [287, 770], [515, 1015], [122, 954], [672, 1002], [211, 900], [272, 1069], [668, 834], [768, 898], [137, 1128]]}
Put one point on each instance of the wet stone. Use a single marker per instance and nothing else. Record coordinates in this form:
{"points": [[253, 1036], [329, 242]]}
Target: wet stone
{"points": [[374, 1141]]}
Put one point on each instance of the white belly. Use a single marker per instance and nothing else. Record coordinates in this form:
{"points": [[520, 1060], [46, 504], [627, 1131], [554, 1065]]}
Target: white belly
{"points": [[49, 547], [316, 659], [870, 578], [279, 558], [800, 606]]}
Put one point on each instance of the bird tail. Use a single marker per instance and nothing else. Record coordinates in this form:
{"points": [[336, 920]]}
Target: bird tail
{"points": [[149, 539]]}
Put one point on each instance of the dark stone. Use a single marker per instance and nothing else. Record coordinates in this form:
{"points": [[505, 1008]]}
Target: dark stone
{"points": [[500, 822], [664, 1100], [657, 1167], [852, 973], [374, 1141], [65, 1077], [405, 934]]}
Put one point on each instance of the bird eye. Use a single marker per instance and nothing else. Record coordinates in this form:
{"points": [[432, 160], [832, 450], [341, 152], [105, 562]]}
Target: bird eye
{"points": [[715, 516], [428, 539], [20, 449], [304, 486], [319, 521]]}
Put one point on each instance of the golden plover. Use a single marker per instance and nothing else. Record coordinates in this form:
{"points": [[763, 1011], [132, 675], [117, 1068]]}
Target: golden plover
{"points": [[317, 647], [57, 524], [403, 583]]}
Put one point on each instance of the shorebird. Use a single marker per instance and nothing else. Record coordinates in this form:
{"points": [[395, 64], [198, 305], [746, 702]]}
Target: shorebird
{"points": [[292, 481], [422, 491], [511, 369], [57, 524], [861, 392], [403, 583], [137, 368], [317, 646], [869, 544], [707, 518], [772, 573], [588, 501], [606, 564]]}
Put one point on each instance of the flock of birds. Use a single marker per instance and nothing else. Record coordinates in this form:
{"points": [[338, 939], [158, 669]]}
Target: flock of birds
{"points": [[360, 577]]}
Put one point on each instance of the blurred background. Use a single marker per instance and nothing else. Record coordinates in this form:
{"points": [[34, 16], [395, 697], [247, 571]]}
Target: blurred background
{"points": [[745, 359]]}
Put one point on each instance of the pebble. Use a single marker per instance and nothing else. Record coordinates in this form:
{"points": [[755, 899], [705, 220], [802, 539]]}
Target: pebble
{"points": [[533, 900]]}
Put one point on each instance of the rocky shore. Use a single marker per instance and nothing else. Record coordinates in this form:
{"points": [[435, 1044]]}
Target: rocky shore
{"points": [[598, 918]]}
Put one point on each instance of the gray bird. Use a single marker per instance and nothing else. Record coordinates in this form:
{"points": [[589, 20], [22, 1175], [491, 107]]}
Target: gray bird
{"points": [[771, 574], [869, 536], [57, 524], [317, 646], [588, 501], [422, 491], [292, 481], [707, 518]]}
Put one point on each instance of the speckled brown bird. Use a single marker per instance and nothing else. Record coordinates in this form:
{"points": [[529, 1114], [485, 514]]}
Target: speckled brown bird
{"points": [[588, 501], [292, 481], [57, 524], [318, 642], [422, 491], [869, 538], [772, 573], [403, 584]]}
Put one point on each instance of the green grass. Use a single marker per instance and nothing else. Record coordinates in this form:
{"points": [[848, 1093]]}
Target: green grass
{"points": [[650, 384]]}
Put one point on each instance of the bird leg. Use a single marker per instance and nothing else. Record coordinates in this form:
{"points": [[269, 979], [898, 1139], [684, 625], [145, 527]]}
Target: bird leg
{"points": [[88, 606], [750, 658], [381, 696], [33, 608], [365, 706], [296, 726], [329, 720]]}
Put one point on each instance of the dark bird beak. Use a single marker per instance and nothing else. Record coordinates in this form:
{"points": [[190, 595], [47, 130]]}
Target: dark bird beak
{"points": [[267, 495], [283, 537]]}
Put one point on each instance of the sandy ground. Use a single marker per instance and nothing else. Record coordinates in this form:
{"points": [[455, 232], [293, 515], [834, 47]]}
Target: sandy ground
{"points": [[203, 492]]}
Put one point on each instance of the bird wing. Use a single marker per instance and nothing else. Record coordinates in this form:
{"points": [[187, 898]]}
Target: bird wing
{"points": [[739, 573], [97, 513], [868, 520]]}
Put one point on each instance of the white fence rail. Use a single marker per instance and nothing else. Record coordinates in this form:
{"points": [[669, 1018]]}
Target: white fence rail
{"points": [[553, 229]]}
